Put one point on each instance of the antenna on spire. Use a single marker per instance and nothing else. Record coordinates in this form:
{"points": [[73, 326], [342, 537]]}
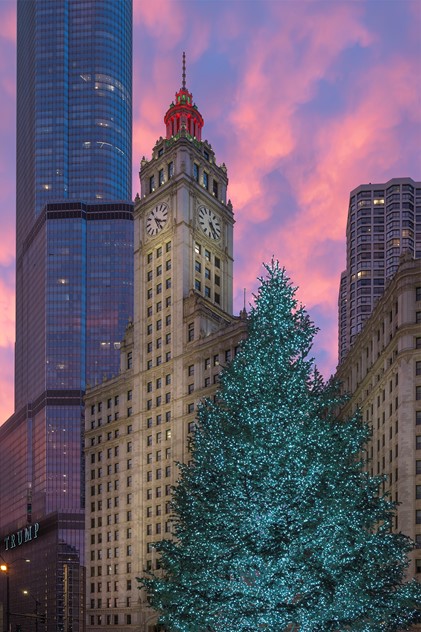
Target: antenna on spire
{"points": [[184, 71]]}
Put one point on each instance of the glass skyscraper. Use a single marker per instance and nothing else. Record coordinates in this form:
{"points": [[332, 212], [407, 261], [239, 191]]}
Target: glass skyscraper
{"points": [[74, 284]]}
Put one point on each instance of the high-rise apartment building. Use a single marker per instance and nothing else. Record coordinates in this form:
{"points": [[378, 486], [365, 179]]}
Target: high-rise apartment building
{"points": [[384, 221], [74, 283], [382, 372], [137, 424]]}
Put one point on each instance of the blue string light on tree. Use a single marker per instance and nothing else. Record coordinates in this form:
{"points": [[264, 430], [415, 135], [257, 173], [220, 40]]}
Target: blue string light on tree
{"points": [[277, 525]]}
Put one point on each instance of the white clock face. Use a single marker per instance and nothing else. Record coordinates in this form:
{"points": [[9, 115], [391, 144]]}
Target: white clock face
{"points": [[209, 223], [156, 219]]}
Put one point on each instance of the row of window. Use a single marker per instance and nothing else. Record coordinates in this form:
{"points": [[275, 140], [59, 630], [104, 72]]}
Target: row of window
{"points": [[111, 570], [158, 324], [111, 400], [158, 252], [161, 177], [109, 619], [158, 420], [109, 586], [159, 436], [149, 273], [158, 383], [199, 250], [110, 435], [111, 518]]}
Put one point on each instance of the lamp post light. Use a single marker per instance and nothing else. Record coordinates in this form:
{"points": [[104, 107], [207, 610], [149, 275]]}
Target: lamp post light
{"points": [[5, 568], [37, 603]]}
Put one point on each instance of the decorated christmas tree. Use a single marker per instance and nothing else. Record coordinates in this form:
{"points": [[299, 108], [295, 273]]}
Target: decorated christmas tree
{"points": [[277, 525]]}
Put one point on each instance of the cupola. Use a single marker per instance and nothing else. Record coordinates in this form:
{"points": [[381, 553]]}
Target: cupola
{"points": [[183, 113]]}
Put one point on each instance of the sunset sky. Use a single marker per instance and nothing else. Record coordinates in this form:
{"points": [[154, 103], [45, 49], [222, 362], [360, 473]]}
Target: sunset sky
{"points": [[303, 101]]}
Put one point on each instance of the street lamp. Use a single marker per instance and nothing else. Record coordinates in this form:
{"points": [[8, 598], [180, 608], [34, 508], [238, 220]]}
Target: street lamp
{"points": [[5, 568], [37, 603]]}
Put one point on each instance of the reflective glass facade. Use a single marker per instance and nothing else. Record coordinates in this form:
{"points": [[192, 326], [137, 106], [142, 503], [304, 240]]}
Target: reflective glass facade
{"points": [[74, 281]]}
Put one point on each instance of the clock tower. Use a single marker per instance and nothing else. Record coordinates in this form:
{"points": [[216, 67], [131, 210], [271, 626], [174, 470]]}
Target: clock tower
{"points": [[182, 334], [183, 206]]}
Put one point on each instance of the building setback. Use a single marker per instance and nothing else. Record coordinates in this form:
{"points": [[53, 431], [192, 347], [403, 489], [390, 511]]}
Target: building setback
{"points": [[382, 372], [74, 282], [384, 221], [137, 425]]}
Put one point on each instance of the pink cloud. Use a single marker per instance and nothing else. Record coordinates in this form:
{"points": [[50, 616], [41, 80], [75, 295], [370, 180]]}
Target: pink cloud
{"points": [[6, 384], [8, 21], [164, 19], [7, 315], [7, 337]]}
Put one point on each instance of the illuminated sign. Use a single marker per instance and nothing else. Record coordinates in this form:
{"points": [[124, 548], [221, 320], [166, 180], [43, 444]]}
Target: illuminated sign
{"points": [[20, 537]]}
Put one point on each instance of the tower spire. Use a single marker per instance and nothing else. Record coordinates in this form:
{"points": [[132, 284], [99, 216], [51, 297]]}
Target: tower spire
{"points": [[183, 84], [183, 116]]}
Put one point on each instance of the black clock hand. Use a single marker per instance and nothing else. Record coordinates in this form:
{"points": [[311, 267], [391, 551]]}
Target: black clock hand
{"points": [[212, 228]]}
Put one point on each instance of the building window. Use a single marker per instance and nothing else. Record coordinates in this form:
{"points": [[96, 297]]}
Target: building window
{"points": [[418, 368], [207, 291], [198, 266], [161, 177], [418, 467], [198, 286], [190, 333], [207, 363], [190, 409], [217, 298], [170, 170], [196, 172], [418, 342], [129, 360], [190, 370], [418, 393], [418, 516], [215, 188], [206, 180], [151, 184]]}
